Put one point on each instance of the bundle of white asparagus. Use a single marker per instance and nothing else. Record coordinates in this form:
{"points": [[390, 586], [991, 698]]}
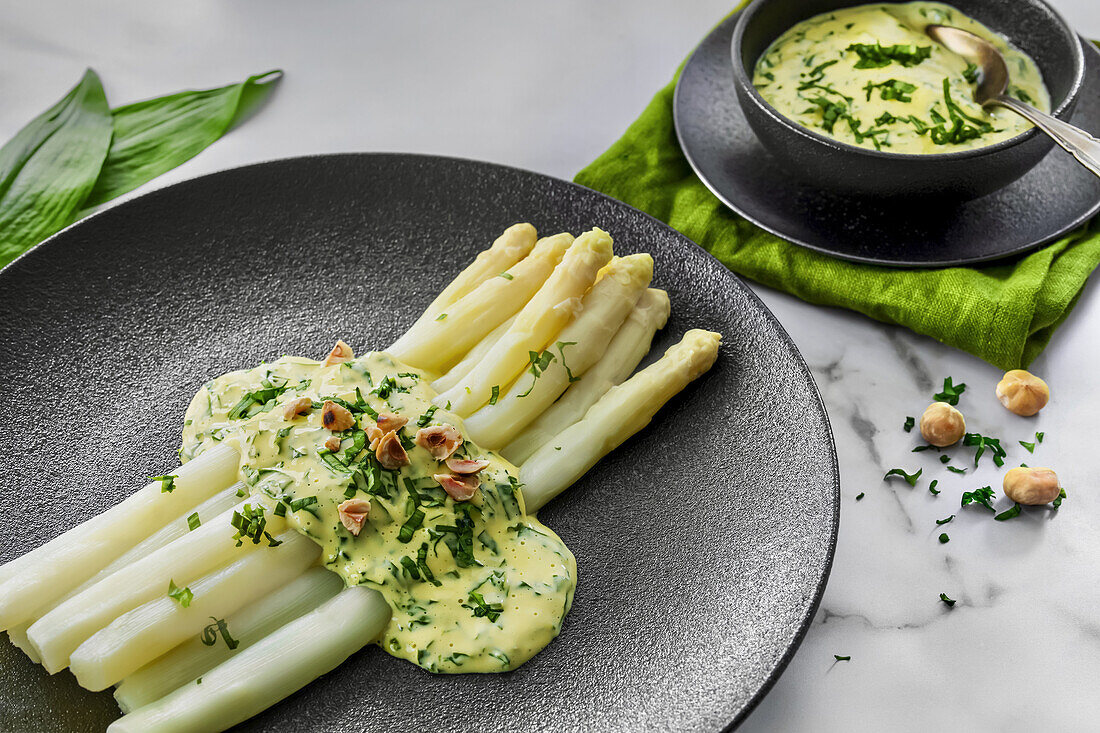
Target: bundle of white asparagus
{"points": [[94, 599]]}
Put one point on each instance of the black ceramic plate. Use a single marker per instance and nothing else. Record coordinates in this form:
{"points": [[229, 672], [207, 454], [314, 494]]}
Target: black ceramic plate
{"points": [[1054, 197], [703, 543]]}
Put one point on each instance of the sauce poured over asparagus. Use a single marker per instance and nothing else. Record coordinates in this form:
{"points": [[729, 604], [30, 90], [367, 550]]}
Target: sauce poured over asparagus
{"points": [[475, 586]]}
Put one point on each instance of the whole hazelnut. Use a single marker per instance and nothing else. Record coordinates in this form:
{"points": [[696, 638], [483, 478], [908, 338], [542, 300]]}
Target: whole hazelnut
{"points": [[1022, 392], [1031, 485], [942, 425]]}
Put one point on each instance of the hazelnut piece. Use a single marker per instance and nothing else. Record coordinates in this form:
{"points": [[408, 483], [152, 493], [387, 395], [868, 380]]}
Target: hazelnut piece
{"points": [[1031, 486], [1022, 392], [942, 425]]}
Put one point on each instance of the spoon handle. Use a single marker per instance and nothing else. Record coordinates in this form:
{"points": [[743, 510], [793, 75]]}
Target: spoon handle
{"points": [[1076, 141]]}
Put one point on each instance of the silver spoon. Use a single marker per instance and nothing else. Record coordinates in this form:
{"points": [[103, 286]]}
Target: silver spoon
{"points": [[991, 90]]}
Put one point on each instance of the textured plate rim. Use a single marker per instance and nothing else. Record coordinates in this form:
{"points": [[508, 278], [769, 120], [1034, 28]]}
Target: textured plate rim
{"points": [[47, 246], [1087, 47]]}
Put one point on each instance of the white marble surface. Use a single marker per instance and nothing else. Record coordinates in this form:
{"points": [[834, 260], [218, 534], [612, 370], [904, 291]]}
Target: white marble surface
{"points": [[547, 86]]}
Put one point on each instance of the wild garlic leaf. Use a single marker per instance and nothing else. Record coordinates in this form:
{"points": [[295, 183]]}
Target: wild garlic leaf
{"points": [[48, 169], [156, 135]]}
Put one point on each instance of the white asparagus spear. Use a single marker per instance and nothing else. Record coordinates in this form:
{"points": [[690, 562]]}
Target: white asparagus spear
{"points": [[58, 633], [628, 347], [139, 636], [579, 345], [620, 413], [544, 315], [455, 374], [438, 344], [178, 527], [39, 578], [269, 670], [17, 635], [508, 249], [193, 658]]}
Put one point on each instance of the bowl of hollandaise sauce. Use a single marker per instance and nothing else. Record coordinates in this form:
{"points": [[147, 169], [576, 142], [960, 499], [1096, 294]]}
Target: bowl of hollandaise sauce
{"points": [[856, 98]]}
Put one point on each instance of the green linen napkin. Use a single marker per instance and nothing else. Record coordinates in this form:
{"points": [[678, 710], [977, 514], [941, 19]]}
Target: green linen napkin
{"points": [[1002, 313]]}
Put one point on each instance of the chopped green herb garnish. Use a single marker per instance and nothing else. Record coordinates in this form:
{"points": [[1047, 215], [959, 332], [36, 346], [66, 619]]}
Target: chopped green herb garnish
{"points": [[1029, 446], [875, 55], [413, 523], [167, 483], [385, 387], [970, 73], [333, 461], [490, 611], [959, 131], [891, 89], [257, 401], [1013, 511], [842, 659], [955, 469], [1058, 502], [182, 596], [910, 478], [859, 496], [1039, 437], [561, 350], [251, 524], [422, 565], [193, 522], [505, 275], [441, 316], [459, 537], [495, 394], [945, 521], [306, 502], [983, 496], [945, 458], [411, 570], [945, 599], [932, 486], [909, 423], [426, 418], [536, 366], [981, 442], [950, 393], [944, 539], [210, 634]]}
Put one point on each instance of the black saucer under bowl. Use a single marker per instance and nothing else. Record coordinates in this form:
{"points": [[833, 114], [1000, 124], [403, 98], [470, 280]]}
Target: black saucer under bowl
{"points": [[1053, 198]]}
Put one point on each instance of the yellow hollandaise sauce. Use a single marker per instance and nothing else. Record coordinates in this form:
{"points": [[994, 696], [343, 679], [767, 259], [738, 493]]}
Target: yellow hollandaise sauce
{"points": [[475, 583], [870, 76]]}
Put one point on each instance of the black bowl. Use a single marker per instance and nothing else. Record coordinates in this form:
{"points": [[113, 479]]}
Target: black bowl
{"points": [[1031, 25]]}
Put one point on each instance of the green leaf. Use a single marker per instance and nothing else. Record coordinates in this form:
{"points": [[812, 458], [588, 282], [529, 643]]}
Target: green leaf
{"points": [[950, 393], [945, 599], [1011, 512], [50, 166], [155, 136], [910, 478], [983, 496], [182, 596]]}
